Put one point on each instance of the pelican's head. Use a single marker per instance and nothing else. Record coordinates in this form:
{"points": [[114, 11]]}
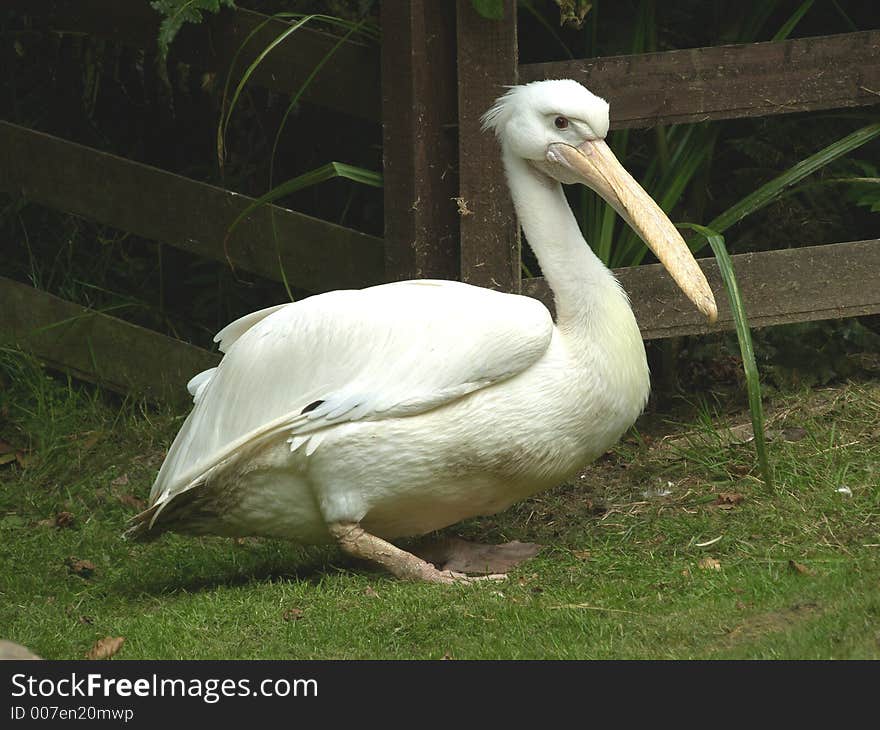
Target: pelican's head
{"points": [[559, 128]]}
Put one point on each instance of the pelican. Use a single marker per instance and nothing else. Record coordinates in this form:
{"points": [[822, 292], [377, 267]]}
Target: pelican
{"points": [[367, 415]]}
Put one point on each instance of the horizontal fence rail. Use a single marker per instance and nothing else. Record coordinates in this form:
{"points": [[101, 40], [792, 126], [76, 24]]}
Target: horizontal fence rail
{"points": [[97, 347], [349, 82], [194, 216], [728, 82], [778, 287]]}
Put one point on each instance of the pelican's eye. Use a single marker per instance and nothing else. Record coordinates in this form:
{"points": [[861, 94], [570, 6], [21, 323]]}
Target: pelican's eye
{"points": [[561, 123]]}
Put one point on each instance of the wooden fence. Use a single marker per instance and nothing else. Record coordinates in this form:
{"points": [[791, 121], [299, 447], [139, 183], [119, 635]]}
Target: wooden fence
{"points": [[439, 68]]}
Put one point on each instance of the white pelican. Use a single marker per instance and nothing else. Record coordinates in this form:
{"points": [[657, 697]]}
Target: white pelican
{"points": [[362, 416]]}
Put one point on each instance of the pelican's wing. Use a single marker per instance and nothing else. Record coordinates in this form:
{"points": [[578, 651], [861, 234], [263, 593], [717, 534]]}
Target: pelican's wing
{"points": [[385, 352]]}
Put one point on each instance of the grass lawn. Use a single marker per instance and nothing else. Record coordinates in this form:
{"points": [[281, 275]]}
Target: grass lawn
{"points": [[669, 547]]}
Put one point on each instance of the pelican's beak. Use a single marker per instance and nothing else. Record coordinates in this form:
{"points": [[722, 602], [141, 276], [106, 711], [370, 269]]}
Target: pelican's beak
{"points": [[595, 165]]}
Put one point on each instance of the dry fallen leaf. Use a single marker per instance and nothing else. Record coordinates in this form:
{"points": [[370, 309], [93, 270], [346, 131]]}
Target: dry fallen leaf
{"points": [[106, 647], [120, 481], [708, 563], [64, 519], [799, 568], [82, 568], [447, 656], [594, 507], [368, 591], [292, 614], [730, 498], [462, 556], [582, 554]]}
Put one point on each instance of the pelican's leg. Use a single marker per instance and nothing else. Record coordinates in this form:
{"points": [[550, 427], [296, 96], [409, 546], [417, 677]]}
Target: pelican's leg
{"points": [[355, 541]]}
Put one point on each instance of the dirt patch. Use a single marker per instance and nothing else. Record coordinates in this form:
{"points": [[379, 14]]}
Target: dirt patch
{"points": [[771, 622]]}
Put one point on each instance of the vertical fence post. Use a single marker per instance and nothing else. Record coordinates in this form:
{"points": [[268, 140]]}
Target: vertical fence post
{"points": [[487, 62], [419, 111]]}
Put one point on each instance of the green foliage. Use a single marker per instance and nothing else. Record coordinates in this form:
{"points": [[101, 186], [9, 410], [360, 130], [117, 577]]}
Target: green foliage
{"points": [[744, 336], [178, 12], [298, 21], [491, 9], [776, 187], [865, 190], [300, 182], [308, 179], [753, 202], [790, 24]]}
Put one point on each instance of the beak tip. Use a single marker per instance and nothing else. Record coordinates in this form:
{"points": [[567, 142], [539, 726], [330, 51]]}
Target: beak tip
{"points": [[711, 311]]}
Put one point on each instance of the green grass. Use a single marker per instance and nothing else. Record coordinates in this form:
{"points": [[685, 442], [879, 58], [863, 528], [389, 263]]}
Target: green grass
{"points": [[620, 575]]}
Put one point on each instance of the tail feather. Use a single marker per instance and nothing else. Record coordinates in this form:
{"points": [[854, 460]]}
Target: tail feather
{"points": [[139, 527], [193, 511]]}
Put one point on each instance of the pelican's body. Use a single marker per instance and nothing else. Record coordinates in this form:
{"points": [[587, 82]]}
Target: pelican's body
{"points": [[402, 474], [406, 407]]}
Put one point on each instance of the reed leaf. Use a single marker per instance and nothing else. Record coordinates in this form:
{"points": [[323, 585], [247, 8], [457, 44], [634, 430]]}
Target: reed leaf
{"points": [[795, 18], [771, 191], [307, 179], [298, 20], [245, 77], [744, 336]]}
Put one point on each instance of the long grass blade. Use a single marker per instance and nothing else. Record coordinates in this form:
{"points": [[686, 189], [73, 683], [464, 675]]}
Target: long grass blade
{"points": [[743, 334], [298, 20], [245, 77], [795, 18], [361, 27], [224, 111], [351, 30], [770, 191], [300, 182]]}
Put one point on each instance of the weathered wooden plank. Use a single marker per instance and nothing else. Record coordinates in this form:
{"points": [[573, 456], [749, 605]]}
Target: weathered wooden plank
{"points": [[487, 62], [726, 82], [99, 348], [419, 111], [778, 287], [161, 206], [349, 82]]}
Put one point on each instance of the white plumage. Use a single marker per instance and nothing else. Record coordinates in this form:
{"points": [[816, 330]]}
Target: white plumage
{"points": [[406, 407]]}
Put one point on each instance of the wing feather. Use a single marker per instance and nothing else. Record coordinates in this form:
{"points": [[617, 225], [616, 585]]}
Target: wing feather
{"points": [[389, 351]]}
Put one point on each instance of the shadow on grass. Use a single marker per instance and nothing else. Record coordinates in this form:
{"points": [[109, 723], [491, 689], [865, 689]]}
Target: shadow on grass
{"points": [[160, 573]]}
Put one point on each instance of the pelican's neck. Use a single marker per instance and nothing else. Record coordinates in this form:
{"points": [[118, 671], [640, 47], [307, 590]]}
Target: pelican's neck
{"points": [[584, 290]]}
